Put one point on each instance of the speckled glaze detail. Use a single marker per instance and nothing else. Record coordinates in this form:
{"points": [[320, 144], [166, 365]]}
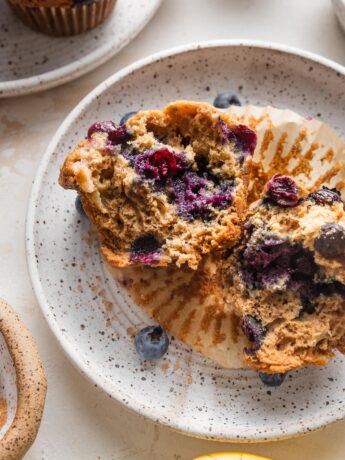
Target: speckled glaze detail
{"points": [[26, 396], [339, 8], [64, 21], [31, 62], [92, 316]]}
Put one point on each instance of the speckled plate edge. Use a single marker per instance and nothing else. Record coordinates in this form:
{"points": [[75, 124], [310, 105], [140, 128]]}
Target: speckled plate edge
{"points": [[71, 71], [311, 423]]}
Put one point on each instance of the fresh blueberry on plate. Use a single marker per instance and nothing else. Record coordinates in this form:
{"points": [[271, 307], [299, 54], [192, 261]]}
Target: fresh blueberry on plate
{"points": [[152, 342], [272, 380], [225, 99], [79, 206], [126, 117]]}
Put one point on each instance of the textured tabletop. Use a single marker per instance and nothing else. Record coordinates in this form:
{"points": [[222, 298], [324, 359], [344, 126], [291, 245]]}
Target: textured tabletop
{"points": [[80, 422]]}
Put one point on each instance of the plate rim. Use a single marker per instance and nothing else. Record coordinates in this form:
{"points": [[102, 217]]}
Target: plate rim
{"points": [[310, 423], [74, 70]]}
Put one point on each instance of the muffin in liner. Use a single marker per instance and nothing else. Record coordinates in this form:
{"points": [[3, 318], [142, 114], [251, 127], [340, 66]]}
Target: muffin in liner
{"points": [[62, 20], [190, 305]]}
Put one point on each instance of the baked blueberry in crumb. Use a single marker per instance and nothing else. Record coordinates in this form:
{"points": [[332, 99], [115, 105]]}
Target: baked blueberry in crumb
{"points": [[152, 342], [272, 380], [307, 306], [254, 331], [79, 206], [325, 195], [282, 190], [195, 196], [160, 164], [243, 137], [126, 117], [225, 99], [146, 250], [245, 140], [331, 242], [116, 134]]}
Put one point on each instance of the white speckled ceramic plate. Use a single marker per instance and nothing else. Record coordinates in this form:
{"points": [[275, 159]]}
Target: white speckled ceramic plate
{"points": [[93, 318], [31, 61]]}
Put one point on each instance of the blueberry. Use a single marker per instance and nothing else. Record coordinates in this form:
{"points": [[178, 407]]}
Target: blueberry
{"points": [[160, 164], [116, 134], [282, 190], [152, 342], [225, 99], [79, 206], [307, 305], [254, 331], [272, 380], [194, 200], [126, 117], [146, 250], [243, 137], [326, 196], [331, 241]]}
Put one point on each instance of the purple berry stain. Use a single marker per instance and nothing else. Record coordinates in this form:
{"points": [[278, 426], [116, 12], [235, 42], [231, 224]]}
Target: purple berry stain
{"points": [[271, 260], [193, 197], [194, 193], [282, 190]]}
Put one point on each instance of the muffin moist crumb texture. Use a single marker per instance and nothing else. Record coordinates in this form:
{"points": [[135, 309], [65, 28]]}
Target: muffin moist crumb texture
{"points": [[286, 280], [165, 186]]}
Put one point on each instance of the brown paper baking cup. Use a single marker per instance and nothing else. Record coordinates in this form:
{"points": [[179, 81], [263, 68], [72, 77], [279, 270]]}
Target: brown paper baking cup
{"points": [[64, 21], [190, 304]]}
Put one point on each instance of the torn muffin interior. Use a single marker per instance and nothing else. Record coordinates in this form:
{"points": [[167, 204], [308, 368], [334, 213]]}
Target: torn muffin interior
{"points": [[165, 186], [287, 278]]}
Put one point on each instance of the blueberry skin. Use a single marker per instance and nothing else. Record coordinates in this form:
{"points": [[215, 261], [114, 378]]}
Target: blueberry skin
{"points": [[272, 380], [79, 206], [152, 342], [225, 99], [126, 117]]}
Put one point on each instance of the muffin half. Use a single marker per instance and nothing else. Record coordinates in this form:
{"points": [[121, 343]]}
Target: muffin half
{"points": [[164, 187], [286, 280]]}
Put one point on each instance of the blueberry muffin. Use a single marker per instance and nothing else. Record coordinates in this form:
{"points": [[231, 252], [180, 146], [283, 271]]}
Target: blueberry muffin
{"points": [[286, 280], [165, 186], [62, 17]]}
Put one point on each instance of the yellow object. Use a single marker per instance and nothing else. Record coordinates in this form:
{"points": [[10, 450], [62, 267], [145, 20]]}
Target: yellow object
{"points": [[230, 456]]}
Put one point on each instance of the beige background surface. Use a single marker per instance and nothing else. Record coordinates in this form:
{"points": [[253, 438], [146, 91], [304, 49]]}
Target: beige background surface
{"points": [[79, 421]]}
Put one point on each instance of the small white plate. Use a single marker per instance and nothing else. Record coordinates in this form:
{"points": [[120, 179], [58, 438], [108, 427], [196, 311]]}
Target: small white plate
{"points": [[91, 315], [31, 61]]}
